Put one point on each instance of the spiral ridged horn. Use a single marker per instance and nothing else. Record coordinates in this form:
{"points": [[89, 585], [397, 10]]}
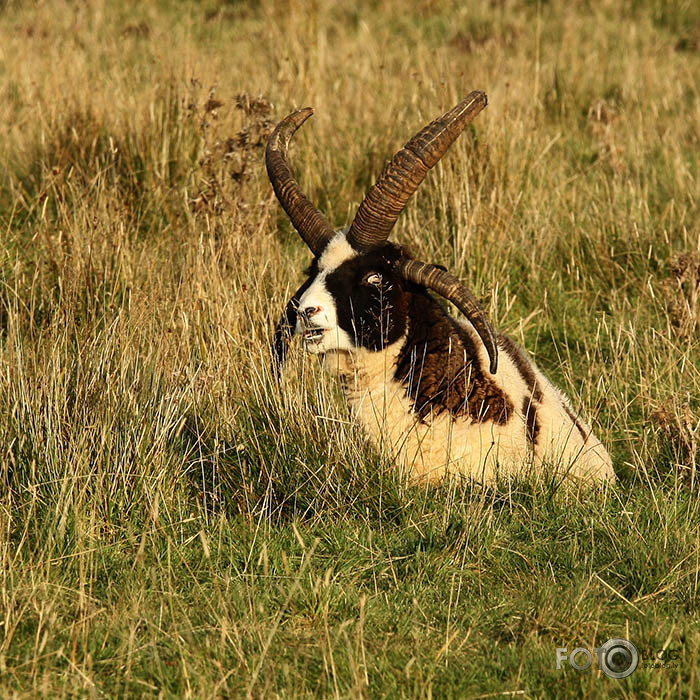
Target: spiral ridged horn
{"points": [[308, 221], [384, 202], [449, 287]]}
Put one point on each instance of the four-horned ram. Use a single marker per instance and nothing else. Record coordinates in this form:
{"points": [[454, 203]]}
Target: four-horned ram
{"points": [[439, 394]]}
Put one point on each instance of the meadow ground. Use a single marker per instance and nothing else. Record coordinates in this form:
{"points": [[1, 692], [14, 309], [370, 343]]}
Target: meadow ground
{"points": [[176, 524]]}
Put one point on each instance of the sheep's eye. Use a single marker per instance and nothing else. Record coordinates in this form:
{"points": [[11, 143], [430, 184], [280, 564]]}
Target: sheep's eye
{"points": [[373, 278]]}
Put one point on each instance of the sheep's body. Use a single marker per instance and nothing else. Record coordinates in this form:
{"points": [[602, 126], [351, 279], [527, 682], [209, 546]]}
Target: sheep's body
{"points": [[429, 401], [431, 447]]}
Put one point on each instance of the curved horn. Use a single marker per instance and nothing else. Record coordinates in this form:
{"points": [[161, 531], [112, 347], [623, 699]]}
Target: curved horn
{"points": [[384, 202], [453, 290], [308, 221]]}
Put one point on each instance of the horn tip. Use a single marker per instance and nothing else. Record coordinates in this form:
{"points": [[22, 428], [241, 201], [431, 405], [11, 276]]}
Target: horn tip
{"points": [[301, 115], [493, 367], [279, 139], [478, 96]]}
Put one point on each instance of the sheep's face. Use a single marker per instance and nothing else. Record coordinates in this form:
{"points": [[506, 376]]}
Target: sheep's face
{"points": [[353, 299]]}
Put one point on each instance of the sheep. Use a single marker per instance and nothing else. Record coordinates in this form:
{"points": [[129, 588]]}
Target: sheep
{"points": [[437, 394]]}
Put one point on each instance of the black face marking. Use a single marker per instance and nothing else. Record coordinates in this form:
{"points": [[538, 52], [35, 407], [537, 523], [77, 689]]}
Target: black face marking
{"points": [[370, 297], [312, 269]]}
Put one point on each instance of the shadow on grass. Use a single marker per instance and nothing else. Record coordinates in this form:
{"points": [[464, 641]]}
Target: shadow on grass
{"points": [[283, 479]]}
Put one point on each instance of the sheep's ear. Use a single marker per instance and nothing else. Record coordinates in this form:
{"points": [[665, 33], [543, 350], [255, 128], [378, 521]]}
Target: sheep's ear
{"points": [[285, 330]]}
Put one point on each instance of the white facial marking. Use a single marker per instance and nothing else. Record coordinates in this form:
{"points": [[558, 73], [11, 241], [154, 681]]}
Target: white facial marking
{"points": [[336, 252], [319, 330]]}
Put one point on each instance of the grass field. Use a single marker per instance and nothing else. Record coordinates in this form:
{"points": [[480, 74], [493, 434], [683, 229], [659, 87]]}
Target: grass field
{"points": [[174, 523]]}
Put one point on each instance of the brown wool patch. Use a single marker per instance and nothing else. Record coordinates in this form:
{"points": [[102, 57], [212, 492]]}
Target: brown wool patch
{"points": [[440, 368], [523, 366], [533, 425]]}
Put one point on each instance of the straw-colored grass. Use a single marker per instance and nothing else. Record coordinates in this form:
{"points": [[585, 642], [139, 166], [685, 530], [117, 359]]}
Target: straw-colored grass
{"points": [[174, 523]]}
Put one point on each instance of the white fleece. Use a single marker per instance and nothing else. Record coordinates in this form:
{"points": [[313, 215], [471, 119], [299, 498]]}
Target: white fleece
{"points": [[485, 450]]}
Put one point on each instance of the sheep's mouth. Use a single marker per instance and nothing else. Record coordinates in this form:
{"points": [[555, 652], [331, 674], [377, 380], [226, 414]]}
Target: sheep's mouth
{"points": [[313, 336]]}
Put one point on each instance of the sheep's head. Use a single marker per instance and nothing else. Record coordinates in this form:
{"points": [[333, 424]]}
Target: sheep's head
{"points": [[353, 299], [355, 295]]}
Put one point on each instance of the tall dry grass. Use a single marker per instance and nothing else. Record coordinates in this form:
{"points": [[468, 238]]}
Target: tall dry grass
{"points": [[157, 481]]}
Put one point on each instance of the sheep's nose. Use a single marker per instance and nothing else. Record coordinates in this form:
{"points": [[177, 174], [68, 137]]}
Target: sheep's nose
{"points": [[308, 311]]}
